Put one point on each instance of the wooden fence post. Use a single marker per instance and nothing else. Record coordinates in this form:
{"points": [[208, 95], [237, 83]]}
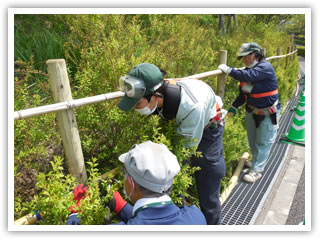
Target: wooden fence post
{"points": [[292, 40], [287, 57], [222, 77], [66, 120], [278, 54], [292, 45], [264, 52]]}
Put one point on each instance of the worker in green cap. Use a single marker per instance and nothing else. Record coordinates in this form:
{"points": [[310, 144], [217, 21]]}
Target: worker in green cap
{"points": [[200, 119], [259, 90]]}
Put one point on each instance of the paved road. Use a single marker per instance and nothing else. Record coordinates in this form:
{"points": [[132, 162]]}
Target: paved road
{"points": [[286, 202], [296, 214], [301, 68]]}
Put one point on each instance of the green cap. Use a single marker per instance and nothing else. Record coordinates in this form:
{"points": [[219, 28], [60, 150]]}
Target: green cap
{"points": [[150, 75], [248, 48]]}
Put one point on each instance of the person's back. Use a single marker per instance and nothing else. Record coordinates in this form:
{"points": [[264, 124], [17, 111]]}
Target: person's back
{"points": [[163, 215], [197, 107], [199, 116]]}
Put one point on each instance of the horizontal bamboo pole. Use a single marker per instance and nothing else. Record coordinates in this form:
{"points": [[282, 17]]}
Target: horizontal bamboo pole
{"points": [[219, 72], [111, 172], [26, 113], [65, 105], [206, 74], [29, 219], [281, 56]]}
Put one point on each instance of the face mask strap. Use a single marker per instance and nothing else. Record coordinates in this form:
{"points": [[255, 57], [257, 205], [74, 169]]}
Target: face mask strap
{"points": [[133, 186], [157, 95], [153, 94]]}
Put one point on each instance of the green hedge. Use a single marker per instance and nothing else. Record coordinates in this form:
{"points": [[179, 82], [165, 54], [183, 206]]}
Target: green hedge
{"points": [[300, 41], [301, 51]]}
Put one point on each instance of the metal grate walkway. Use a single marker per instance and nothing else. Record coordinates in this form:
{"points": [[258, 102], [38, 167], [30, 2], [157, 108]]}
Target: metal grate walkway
{"points": [[241, 206]]}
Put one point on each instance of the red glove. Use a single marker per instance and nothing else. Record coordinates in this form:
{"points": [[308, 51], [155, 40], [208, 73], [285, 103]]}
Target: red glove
{"points": [[79, 193], [117, 203]]}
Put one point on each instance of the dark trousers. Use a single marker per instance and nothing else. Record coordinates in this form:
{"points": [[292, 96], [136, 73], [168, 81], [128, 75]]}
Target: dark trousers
{"points": [[208, 179]]}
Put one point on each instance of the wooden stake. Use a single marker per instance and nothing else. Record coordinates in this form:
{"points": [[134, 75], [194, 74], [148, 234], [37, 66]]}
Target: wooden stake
{"points": [[278, 53], [222, 78], [287, 58], [264, 52], [66, 120]]}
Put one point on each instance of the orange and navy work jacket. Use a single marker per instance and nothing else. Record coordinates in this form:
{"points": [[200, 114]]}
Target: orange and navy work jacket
{"points": [[265, 87]]}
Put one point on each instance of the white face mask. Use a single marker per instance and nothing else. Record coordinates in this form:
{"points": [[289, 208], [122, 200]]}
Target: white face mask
{"points": [[146, 110], [255, 62]]}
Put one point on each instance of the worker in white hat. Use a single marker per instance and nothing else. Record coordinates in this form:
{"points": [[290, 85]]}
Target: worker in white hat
{"points": [[149, 170]]}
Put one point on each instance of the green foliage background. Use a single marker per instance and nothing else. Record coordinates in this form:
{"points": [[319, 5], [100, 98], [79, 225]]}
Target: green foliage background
{"points": [[98, 49]]}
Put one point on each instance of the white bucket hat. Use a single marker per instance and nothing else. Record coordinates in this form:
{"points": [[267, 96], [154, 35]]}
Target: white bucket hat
{"points": [[151, 165]]}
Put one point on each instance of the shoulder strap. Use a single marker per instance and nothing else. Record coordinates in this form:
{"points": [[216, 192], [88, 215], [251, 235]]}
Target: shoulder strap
{"points": [[187, 90], [171, 101]]}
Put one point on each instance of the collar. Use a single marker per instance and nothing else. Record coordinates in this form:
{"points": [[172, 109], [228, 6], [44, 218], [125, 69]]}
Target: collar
{"points": [[146, 201]]}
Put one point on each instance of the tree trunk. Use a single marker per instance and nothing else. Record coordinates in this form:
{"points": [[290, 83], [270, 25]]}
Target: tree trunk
{"points": [[221, 23], [229, 22], [235, 20]]}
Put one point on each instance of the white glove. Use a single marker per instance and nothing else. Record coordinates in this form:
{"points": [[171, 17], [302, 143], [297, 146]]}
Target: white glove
{"points": [[224, 68]]}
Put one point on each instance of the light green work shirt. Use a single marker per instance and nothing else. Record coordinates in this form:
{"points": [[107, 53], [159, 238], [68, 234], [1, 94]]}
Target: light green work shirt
{"points": [[197, 107]]}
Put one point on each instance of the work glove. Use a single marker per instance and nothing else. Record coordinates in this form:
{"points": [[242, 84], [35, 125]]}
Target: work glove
{"points": [[224, 68], [79, 193], [117, 203], [73, 219], [231, 112]]}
